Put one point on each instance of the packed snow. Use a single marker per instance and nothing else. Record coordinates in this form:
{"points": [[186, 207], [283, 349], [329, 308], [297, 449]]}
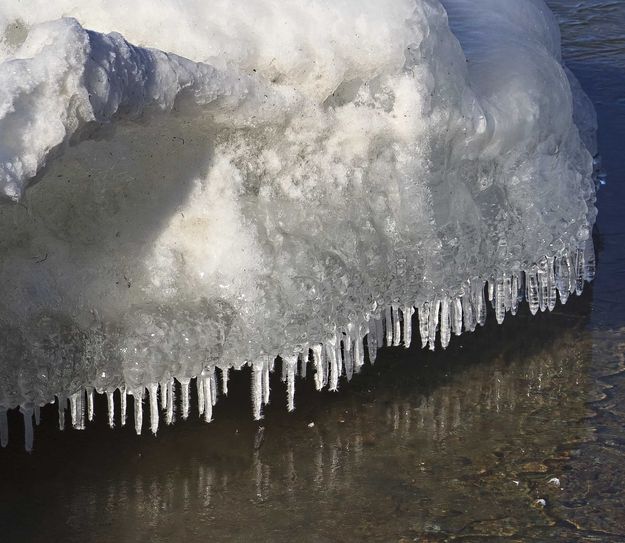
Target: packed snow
{"points": [[189, 187]]}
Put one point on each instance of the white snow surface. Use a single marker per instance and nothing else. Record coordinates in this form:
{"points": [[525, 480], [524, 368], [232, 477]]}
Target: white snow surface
{"points": [[190, 185]]}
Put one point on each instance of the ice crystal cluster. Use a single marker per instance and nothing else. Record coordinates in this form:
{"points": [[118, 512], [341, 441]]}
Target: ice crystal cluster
{"points": [[189, 187]]}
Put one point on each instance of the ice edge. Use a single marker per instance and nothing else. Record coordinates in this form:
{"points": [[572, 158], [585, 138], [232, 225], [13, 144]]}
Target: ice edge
{"points": [[342, 354]]}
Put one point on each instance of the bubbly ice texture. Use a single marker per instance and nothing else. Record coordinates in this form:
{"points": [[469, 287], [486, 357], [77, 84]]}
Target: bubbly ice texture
{"points": [[207, 185]]}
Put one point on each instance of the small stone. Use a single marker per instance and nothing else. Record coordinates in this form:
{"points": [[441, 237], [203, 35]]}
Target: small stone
{"points": [[554, 481], [311, 424], [540, 503]]}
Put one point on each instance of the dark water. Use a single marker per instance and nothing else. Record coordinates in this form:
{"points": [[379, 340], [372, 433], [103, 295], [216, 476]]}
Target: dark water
{"points": [[462, 445]]}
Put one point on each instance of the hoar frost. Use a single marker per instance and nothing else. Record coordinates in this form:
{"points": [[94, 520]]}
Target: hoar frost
{"points": [[196, 186]]}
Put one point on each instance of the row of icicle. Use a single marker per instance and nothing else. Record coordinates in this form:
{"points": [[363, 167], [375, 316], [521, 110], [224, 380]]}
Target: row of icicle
{"points": [[344, 353]]}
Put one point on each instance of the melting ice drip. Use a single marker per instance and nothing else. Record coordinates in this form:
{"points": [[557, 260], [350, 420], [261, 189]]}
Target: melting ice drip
{"points": [[293, 179]]}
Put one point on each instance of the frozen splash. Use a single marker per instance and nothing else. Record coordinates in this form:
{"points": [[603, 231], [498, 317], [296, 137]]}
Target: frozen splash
{"points": [[290, 179]]}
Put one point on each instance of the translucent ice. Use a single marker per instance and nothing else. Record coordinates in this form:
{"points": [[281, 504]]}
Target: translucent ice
{"points": [[213, 184]]}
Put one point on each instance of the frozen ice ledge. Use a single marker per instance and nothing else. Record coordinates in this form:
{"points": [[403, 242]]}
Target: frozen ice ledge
{"points": [[293, 179]]}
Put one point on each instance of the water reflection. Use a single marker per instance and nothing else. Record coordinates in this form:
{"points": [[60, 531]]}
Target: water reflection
{"points": [[422, 445]]}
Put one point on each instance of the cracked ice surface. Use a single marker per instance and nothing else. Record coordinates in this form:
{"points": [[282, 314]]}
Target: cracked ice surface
{"points": [[207, 185]]}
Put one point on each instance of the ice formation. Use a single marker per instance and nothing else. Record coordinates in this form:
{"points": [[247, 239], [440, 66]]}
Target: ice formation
{"points": [[191, 187]]}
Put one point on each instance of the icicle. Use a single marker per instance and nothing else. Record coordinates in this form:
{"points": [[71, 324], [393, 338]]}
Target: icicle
{"points": [[267, 365], [303, 360], [199, 387], [163, 386], [445, 324], [396, 326], [291, 366], [551, 283], [317, 363], [224, 380], [507, 293], [424, 319], [388, 325], [499, 301], [334, 370], [110, 403], [456, 322], [206, 383], [78, 410], [543, 284], [348, 354], [169, 417], [258, 368], [123, 405], [213, 383], [491, 291], [531, 280], [514, 295], [90, 404], [372, 344], [435, 307], [184, 387], [379, 332], [563, 272], [589, 259], [408, 312], [153, 398], [480, 304], [468, 312], [138, 397], [27, 414], [4, 427], [62, 404], [37, 413], [283, 371], [359, 350], [580, 269]]}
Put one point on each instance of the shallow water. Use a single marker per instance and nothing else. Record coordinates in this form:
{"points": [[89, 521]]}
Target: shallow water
{"points": [[421, 447]]}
